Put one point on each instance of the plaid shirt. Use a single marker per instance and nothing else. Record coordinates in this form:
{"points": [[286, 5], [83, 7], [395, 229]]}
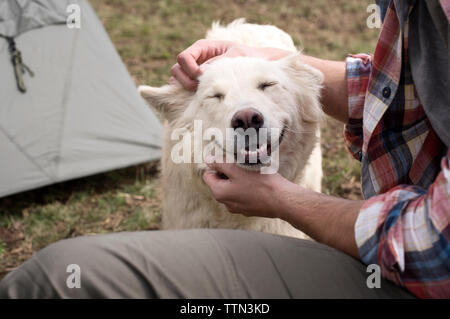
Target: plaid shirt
{"points": [[404, 226]]}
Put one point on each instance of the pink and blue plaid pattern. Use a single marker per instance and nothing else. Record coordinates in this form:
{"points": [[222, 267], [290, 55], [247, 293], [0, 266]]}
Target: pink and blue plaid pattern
{"points": [[404, 226]]}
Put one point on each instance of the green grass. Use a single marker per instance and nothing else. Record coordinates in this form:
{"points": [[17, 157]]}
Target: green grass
{"points": [[122, 200], [2, 247], [148, 35]]}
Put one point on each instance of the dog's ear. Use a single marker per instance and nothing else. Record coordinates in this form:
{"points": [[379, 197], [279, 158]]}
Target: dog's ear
{"points": [[306, 82], [169, 100]]}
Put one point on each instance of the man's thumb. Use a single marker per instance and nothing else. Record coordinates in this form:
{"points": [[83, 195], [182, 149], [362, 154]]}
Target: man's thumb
{"points": [[226, 169]]}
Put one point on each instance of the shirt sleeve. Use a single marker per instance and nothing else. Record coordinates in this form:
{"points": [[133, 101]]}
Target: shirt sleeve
{"points": [[406, 231], [358, 69]]}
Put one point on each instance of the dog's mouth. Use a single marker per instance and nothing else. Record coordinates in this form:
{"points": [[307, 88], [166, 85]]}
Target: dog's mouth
{"points": [[257, 155], [254, 155]]}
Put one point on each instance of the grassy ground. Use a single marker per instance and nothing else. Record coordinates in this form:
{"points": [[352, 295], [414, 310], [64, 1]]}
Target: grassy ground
{"points": [[148, 34]]}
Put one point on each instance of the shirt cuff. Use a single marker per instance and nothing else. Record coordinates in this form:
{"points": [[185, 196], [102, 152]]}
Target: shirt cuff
{"points": [[374, 228]]}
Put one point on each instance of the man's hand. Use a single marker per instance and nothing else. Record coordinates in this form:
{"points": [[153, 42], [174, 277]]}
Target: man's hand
{"points": [[327, 219], [189, 61], [244, 192]]}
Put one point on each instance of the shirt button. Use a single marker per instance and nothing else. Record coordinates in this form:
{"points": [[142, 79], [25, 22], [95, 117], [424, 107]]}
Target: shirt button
{"points": [[386, 92]]}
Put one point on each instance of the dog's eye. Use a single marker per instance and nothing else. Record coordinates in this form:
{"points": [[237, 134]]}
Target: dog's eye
{"points": [[218, 96], [265, 85]]}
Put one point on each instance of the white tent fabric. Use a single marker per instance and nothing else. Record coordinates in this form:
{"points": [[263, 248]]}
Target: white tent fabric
{"points": [[81, 113]]}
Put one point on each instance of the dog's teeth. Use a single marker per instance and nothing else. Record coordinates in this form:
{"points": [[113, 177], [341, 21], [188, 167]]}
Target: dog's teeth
{"points": [[262, 149]]}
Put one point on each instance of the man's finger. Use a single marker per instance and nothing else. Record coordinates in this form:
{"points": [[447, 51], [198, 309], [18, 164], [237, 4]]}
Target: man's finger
{"points": [[172, 80], [188, 60], [183, 78], [211, 178], [216, 183], [230, 170]]}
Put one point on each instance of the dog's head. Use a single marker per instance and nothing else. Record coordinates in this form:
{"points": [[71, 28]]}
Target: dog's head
{"points": [[279, 99]]}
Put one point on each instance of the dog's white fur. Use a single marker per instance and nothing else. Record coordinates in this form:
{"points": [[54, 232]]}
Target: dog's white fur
{"points": [[187, 201]]}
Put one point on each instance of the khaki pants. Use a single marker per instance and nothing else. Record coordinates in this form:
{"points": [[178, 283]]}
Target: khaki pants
{"points": [[193, 264]]}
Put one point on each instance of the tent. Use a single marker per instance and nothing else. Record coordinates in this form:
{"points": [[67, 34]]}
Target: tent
{"points": [[80, 113]]}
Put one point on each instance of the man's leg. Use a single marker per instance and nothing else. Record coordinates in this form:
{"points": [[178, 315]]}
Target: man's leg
{"points": [[193, 264]]}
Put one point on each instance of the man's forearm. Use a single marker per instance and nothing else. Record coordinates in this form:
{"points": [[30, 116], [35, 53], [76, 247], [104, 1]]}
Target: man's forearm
{"points": [[327, 219], [334, 93]]}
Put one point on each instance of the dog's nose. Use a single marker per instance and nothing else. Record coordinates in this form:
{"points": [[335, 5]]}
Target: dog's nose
{"points": [[247, 118]]}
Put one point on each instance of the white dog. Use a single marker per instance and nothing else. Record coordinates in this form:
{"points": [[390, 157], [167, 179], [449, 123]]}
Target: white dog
{"points": [[280, 96]]}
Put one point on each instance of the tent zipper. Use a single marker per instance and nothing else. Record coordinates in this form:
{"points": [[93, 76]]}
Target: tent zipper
{"points": [[19, 66]]}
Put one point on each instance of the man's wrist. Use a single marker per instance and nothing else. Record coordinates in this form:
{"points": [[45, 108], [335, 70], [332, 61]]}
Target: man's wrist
{"points": [[278, 187], [327, 219], [290, 194], [334, 96]]}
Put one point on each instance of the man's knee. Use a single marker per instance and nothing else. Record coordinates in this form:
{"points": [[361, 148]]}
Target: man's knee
{"points": [[30, 279], [53, 272]]}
